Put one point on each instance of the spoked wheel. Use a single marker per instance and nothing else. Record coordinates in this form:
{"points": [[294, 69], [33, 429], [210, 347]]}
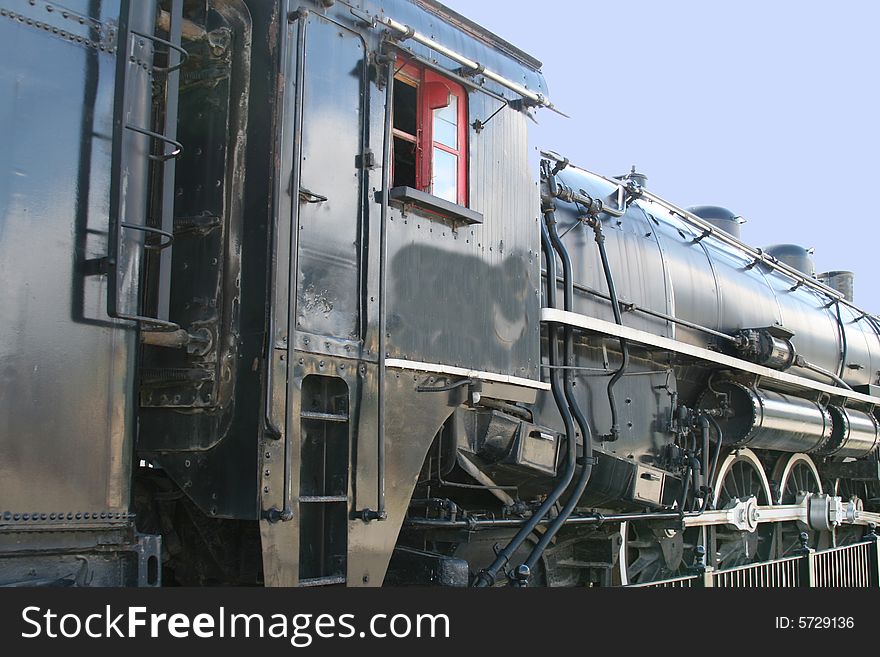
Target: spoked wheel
{"points": [[741, 476], [649, 554], [797, 476]]}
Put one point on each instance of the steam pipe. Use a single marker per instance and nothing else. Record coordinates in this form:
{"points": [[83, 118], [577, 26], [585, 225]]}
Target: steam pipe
{"points": [[696, 475], [486, 577], [800, 361], [686, 488], [704, 431], [583, 425], [714, 468], [615, 308]]}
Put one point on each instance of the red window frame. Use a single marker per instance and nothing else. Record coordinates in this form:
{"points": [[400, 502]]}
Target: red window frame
{"points": [[433, 92]]}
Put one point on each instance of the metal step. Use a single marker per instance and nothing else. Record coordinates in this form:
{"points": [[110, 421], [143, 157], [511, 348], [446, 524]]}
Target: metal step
{"points": [[325, 417], [323, 581]]}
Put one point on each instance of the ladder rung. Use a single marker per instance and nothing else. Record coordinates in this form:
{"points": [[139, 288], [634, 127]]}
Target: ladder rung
{"points": [[326, 417], [323, 498], [323, 581]]}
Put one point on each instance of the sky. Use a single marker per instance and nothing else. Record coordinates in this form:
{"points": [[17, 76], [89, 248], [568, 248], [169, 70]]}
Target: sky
{"points": [[768, 108]]}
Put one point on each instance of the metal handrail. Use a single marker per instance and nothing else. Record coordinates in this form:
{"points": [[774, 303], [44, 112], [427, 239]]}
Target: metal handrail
{"points": [[184, 55], [178, 147]]}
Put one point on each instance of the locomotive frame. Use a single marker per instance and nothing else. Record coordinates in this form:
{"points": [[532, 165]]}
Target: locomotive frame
{"points": [[303, 317]]}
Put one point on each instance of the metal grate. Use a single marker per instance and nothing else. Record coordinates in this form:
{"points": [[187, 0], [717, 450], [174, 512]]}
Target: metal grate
{"points": [[844, 566], [784, 573]]}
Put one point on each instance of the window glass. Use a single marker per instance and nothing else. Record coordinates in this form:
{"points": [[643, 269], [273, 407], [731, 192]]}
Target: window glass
{"points": [[444, 178], [446, 123]]}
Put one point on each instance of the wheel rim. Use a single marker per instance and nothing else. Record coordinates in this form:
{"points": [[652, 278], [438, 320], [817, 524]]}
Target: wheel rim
{"points": [[741, 475], [797, 475]]}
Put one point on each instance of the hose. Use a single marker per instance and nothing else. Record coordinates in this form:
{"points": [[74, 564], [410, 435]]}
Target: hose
{"points": [[549, 230], [486, 577]]}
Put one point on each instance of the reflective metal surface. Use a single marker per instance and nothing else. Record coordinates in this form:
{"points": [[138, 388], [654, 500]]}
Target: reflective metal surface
{"points": [[769, 420], [856, 433]]}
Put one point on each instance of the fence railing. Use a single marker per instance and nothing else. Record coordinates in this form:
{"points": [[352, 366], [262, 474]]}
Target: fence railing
{"points": [[856, 565]]}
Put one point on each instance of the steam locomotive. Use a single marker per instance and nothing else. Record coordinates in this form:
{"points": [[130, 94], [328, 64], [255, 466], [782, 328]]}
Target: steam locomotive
{"points": [[284, 305]]}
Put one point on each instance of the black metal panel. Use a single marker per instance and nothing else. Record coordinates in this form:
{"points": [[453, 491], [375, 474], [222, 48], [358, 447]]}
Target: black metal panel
{"points": [[329, 237], [206, 439]]}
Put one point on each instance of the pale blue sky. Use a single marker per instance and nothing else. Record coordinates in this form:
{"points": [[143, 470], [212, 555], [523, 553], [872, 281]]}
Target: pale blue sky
{"points": [[767, 108]]}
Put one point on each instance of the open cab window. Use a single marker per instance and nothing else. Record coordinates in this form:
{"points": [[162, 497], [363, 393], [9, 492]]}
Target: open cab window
{"points": [[430, 134]]}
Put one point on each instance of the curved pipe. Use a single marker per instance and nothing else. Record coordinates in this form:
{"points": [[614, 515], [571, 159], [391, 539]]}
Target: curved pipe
{"points": [[800, 361], [549, 230], [486, 577], [710, 475], [615, 308]]}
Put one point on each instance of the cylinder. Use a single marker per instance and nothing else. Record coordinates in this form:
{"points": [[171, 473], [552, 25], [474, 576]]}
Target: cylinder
{"points": [[842, 281], [720, 218], [766, 419], [855, 433]]}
